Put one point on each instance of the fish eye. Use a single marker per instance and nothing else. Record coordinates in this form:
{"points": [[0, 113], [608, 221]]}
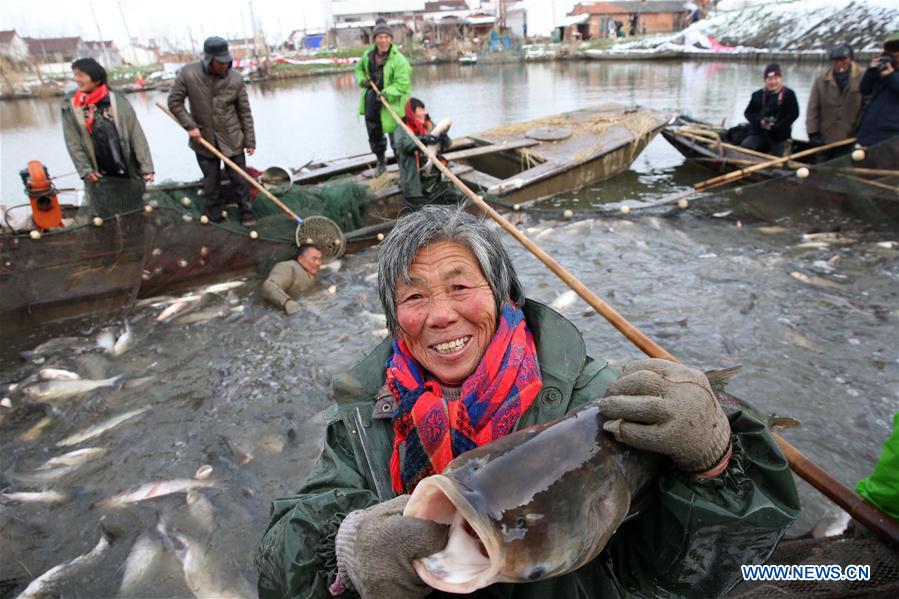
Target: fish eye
{"points": [[520, 522]]}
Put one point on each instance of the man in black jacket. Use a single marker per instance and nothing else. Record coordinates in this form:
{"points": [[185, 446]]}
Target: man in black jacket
{"points": [[771, 113], [880, 120]]}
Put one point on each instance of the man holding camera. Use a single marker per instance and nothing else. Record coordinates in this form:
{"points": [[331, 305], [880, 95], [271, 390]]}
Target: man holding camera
{"points": [[771, 112], [835, 103], [880, 119]]}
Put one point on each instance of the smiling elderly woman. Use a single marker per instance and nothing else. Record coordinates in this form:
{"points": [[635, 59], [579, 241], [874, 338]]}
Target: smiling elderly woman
{"points": [[470, 360]]}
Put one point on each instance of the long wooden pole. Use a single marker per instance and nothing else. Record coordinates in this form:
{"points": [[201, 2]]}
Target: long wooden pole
{"points": [[237, 169], [739, 174], [617, 320], [860, 509]]}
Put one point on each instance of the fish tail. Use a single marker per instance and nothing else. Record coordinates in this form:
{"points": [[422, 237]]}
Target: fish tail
{"points": [[719, 379]]}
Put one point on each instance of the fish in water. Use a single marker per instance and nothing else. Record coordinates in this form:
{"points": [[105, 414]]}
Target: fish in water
{"points": [[201, 316], [564, 300], [98, 429], [51, 390], [141, 563], [184, 305], [43, 585], [106, 340], [220, 287], [242, 455], [830, 237], [35, 431], [152, 490], [200, 510], [55, 468], [124, 342], [53, 346], [815, 280], [201, 575], [505, 527], [36, 496], [57, 374], [431, 150]]}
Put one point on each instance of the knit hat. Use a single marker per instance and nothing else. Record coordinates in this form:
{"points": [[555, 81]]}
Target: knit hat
{"points": [[381, 27], [841, 51], [773, 69]]}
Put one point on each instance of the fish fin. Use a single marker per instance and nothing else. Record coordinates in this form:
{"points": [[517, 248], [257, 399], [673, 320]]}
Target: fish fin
{"points": [[719, 379]]}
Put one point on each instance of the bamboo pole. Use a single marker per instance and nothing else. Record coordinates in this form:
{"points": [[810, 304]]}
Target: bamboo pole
{"points": [[237, 169], [863, 511]]}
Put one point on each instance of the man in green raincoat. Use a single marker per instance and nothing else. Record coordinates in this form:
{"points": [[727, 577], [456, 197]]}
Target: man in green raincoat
{"points": [[463, 332], [386, 67]]}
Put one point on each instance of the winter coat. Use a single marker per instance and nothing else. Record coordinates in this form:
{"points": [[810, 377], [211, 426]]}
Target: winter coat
{"points": [[285, 282], [784, 109], [880, 119], [397, 86], [219, 106], [135, 148], [689, 542], [831, 113]]}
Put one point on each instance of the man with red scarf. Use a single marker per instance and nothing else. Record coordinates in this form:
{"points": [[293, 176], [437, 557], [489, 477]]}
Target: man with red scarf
{"points": [[422, 186], [469, 361], [102, 133]]}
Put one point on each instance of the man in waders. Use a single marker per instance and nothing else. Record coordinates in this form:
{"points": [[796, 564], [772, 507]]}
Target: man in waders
{"points": [[382, 64]]}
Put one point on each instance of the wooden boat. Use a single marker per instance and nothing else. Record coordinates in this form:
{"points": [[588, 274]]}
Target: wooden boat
{"points": [[91, 270], [865, 190], [83, 271]]}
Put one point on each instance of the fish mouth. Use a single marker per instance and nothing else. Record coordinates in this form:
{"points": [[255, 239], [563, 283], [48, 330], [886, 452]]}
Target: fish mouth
{"points": [[473, 557]]}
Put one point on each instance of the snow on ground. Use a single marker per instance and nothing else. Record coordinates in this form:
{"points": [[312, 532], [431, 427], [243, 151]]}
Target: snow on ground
{"points": [[789, 26]]}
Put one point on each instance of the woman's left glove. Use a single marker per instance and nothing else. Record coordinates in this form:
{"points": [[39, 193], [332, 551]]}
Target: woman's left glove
{"points": [[668, 408], [375, 548]]}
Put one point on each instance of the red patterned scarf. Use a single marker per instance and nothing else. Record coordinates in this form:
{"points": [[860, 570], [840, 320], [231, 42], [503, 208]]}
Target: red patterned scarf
{"points": [[497, 393], [82, 99], [418, 128]]}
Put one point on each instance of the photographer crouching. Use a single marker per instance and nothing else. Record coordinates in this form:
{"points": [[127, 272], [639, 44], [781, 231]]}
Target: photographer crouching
{"points": [[771, 112], [880, 119]]}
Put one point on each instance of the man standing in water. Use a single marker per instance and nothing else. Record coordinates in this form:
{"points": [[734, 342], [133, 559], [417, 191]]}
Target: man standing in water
{"points": [[771, 112], [382, 64], [835, 103], [220, 114], [290, 278]]}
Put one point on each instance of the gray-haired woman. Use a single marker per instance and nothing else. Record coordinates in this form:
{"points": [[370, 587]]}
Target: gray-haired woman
{"points": [[470, 360]]}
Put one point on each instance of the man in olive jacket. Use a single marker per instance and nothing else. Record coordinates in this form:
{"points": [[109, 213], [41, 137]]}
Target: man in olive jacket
{"points": [[220, 114], [835, 103], [689, 541], [382, 64]]}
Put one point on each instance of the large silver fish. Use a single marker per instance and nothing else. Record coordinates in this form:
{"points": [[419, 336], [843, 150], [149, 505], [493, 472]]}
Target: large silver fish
{"points": [[537, 503], [431, 150], [98, 429], [47, 583], [62, 389]]}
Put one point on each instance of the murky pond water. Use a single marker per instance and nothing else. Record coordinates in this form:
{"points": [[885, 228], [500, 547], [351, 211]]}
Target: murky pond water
{"points": [[244, 390]]}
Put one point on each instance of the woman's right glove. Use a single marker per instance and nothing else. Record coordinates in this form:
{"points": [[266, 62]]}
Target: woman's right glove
{"points": [[375, 548]]}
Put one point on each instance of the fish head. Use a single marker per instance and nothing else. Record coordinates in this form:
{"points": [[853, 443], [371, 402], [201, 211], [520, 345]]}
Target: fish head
{"points": [[534, 504], [442, 127]]}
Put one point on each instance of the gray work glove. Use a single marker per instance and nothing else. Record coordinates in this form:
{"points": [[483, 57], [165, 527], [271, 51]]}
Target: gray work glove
{"points": [[375, 548], [291, 307], [668, 408]]}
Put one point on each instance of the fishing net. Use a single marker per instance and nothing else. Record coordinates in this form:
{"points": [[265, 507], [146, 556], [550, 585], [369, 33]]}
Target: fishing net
{"points": [[843, 551]]}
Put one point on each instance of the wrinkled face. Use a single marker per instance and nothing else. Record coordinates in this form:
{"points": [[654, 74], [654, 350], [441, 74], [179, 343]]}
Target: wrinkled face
{"points": [[840, 65], [446, 313], [383, 41], [311, 260], [773, 82], [218, 68], [84, 81], [420, 114]]}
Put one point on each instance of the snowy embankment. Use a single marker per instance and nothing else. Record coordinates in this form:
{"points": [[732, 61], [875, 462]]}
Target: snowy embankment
{"points": [[802, 27]]}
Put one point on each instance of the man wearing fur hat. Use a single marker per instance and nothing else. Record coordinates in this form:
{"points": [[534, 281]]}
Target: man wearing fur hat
{"points": [[382, 64], [771, 112], [835, 103], [220, 114]]}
